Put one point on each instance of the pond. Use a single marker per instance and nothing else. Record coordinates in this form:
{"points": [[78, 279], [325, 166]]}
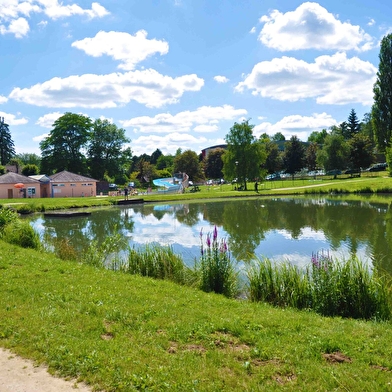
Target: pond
{"points": [[289, 228]]}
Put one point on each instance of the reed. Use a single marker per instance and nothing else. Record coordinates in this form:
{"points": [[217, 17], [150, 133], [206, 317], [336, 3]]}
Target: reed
{"points": [[345, 288], [159, 262]]}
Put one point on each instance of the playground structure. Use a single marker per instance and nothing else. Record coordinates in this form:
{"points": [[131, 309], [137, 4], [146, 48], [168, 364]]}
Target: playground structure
{"points": [[178, 183]]}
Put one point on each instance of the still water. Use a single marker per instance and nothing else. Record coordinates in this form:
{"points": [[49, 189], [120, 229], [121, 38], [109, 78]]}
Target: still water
{"points": [[278, 228]]}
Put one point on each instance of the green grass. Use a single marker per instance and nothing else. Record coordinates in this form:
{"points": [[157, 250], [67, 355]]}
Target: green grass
{"points": [[124, 332]]}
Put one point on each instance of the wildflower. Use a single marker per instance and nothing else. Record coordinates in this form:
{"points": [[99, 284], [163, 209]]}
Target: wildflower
{"points": [[208, 241], [215, 235]]}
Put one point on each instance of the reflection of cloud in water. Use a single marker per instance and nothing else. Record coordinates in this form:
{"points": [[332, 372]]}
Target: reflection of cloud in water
{"points": [[306, 233], [167, 231]]}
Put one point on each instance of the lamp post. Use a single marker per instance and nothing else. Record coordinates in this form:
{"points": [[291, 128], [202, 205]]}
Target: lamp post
{"points": [[236, 171]]}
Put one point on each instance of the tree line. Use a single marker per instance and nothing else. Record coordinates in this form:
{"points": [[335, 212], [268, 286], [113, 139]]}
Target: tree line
{"points": [[100, 149]]}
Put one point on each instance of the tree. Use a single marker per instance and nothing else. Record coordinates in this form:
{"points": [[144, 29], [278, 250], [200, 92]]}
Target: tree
{"points": [[106, 153], [311, 156], [294, 155], [30, 170], [278, 137], [334, 154], [273, 161], [361, 152], [62, 148], [165, 162], [29, 159], [7, 150], [382, 89], [188, 162], [155, 156], [318, 137], [214, 163], [244, 156], [367, 127], [353, 126]]}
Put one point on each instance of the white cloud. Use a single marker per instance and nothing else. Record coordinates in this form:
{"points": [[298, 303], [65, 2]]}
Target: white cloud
{"points": [[14, 13], [206, 128], [330, 80], [48, 119], [371, 22], [11, 119], [19, 27], [3, 99], [127, 48], [167, 144], [311, 26], [252, 30], [146, 87], [301, 126], [184, 121], [221, 79], [39, 138]]}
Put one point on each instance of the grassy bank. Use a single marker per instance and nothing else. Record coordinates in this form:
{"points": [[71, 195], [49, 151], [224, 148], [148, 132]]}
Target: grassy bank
{"points": [[368, 184], [122, 332]]}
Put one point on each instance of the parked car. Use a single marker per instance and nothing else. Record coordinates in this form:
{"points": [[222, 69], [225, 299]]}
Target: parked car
{"points": [[377, 167], [353, 171], [113, 187]]}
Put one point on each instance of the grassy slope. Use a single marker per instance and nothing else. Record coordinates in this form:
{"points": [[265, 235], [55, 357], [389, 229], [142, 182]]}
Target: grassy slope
{"points": [[120, 332]]}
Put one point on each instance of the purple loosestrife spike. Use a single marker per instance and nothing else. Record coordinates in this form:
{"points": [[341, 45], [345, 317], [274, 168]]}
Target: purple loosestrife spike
{"points": [[208, 241], [201, 233], [215, 235]]}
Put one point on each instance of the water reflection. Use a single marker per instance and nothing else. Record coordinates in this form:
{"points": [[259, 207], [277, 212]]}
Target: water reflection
{"points": [[278, 228]]}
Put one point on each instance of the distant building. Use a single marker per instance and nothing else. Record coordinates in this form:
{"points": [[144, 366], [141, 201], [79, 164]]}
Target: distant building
{"points": [[67, 184], [207, 150]]}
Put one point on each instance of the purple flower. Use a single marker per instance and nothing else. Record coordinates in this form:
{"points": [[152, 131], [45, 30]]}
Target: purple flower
{"points": [[208, 241], [201, 233], [215, 235]]}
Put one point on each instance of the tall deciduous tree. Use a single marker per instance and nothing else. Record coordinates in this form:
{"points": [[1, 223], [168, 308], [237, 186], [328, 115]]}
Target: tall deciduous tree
{"points": [[7, 150], [106, 152], [311, 156], [334, 154], [214, 163], [245, 156], [318, 136], [273, 161], [63, 148], [188, 162], [382, 89], [294, 155], [361, 152]]}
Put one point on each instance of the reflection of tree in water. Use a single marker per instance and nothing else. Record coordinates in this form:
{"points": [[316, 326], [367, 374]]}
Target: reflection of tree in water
{"points": [[81, 231], [246, 227]]}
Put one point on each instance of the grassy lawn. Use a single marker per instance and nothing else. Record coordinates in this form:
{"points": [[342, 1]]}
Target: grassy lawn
{"points": [[121, 332]]}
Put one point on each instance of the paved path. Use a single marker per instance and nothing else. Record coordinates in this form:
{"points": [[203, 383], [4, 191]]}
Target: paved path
{"points": [[20, 375]]}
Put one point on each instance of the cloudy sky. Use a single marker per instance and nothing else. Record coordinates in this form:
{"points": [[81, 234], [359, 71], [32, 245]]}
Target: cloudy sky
{"points": [[179, 73]]}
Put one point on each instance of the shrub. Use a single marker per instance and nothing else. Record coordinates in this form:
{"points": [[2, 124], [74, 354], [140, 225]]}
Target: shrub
{"points": [[217, 272], [24, 209], [22, 234], [7, 215]]}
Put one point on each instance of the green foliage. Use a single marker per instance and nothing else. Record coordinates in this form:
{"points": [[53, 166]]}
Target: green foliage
{"points": [[20, 233], [25, 208], [360, 151], [2, 169], [217, 272], [294, 155], [329, 287], [188, 162], [30, 170], [106, 153], [334, 154], [7, 149], [245, 155], [214, 164], [62, 148], [382, 107], [273, 162], [7, 215], [157, 262]]}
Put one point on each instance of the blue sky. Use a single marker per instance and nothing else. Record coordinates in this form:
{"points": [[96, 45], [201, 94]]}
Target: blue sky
{"points": [[179, 73]]}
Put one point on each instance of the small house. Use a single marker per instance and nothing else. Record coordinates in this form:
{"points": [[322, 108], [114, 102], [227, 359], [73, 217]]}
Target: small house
{"points": [[14, 186], [67, 184]]}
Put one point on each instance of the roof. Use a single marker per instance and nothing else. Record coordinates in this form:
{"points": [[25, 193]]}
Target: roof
{"points": [[14, 178], [41, 178], [66, 176]]}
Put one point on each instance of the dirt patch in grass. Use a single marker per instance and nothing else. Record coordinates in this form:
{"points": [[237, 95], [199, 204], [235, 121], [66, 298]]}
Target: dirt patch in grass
{"points": [[337, 357]]}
